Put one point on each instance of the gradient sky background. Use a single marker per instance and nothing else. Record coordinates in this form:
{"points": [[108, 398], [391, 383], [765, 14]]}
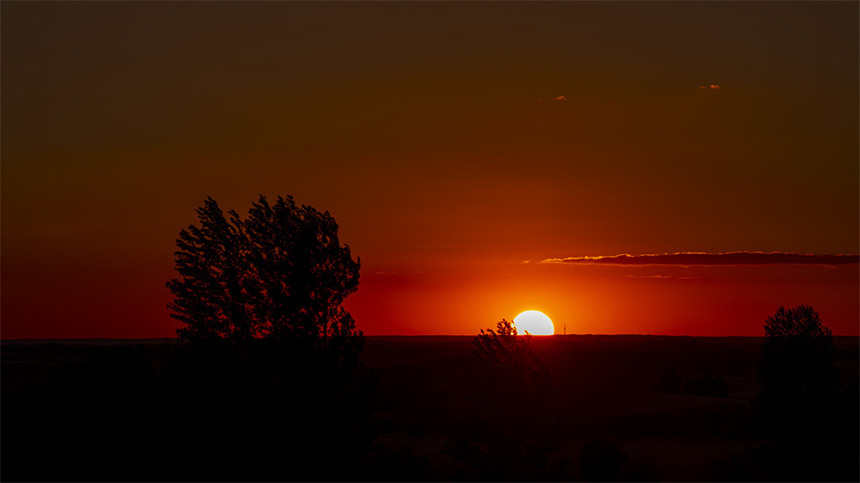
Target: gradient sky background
{"points": [[430, 131]]}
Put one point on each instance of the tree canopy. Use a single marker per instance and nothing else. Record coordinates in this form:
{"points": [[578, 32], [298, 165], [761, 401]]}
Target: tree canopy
{"points": [[797, 361], [280, 273], [798, 378]]}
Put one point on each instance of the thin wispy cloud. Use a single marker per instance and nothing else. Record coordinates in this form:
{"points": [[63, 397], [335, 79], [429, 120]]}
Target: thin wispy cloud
{"points": [[687, 259], [661, 277]]}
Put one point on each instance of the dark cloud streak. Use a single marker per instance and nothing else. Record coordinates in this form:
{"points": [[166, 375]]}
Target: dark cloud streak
{"points": [[687, 259]]}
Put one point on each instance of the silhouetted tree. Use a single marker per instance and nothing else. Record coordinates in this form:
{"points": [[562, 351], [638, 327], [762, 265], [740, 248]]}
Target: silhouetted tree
{"points": [[260, 298], [507, 363], [798, 377], [798, 405], [281, 273], [504, 352]]}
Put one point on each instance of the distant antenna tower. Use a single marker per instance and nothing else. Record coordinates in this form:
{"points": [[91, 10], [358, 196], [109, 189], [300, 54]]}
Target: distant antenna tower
{"points": [[565, 329]]}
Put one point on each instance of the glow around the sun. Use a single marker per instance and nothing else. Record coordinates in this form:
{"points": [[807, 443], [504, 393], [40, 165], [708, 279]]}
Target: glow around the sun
{"points": [[534, 322]]}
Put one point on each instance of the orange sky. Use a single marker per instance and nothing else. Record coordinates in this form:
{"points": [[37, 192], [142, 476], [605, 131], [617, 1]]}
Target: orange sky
{"points": [[431, 132]]}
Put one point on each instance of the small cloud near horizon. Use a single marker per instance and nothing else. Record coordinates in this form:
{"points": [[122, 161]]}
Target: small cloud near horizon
{"points": [[687, 259], [559, 98]]}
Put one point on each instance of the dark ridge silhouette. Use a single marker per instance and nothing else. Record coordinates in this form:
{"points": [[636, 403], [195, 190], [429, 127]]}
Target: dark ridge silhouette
{"points": [[708, 384], [415, 409], [192, 412], [670, 381]]}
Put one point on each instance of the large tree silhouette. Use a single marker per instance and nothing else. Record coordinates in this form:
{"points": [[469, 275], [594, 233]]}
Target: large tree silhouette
{"points": [[260, 300], [811, 423], [281, 273], [797, 373]]}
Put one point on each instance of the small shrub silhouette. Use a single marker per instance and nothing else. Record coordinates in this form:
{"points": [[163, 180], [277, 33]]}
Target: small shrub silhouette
{"points": [[509, 435]]}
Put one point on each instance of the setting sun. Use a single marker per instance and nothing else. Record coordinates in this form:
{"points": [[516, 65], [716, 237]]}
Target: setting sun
{"points": [[534, 322]]}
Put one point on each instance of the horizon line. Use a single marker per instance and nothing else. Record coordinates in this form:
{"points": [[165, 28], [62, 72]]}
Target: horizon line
{"points": [[176, 339]]}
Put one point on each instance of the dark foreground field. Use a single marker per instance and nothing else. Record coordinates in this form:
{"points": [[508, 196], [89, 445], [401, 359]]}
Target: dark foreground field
{"points": [[641, 408]]}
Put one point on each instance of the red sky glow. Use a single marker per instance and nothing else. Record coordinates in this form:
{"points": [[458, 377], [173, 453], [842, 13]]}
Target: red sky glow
{"points": [[687, 166]]}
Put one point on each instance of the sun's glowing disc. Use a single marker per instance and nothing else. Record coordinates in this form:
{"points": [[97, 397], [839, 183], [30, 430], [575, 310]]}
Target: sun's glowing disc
{"points": [[534, 322]]}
